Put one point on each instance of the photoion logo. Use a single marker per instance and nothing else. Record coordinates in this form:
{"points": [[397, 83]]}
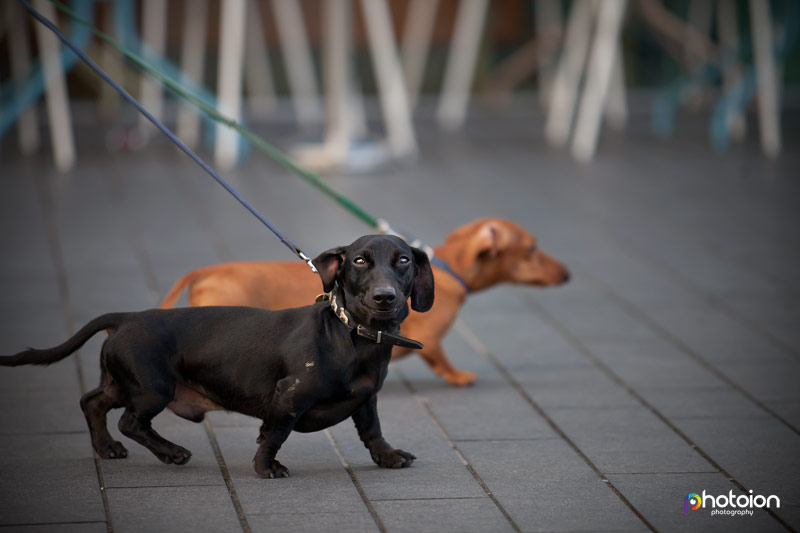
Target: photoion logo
{"points": [[692, 502], [729, 504]]}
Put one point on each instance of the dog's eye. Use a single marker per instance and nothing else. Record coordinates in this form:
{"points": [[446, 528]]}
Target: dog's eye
{"points": [[532, 249], [359, 261], [403, 260]]}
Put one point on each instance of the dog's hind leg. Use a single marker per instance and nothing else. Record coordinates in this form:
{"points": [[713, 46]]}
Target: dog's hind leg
{"points": [[136, 424], [146, 385], [95, 405]]}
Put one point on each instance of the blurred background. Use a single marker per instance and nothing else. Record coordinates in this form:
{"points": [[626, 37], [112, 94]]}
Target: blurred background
{"points": [[650, 145]]}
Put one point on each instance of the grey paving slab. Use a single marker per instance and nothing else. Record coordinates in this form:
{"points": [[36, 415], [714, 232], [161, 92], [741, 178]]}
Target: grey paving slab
{"points": [[187, 508], [758, 452], [456, 515], [653, 364], [318, 483], [48, 479], [142, 469], [540, 483], [311, 520], [81, 527], [437, 473], [629, 439], [661, 499]]}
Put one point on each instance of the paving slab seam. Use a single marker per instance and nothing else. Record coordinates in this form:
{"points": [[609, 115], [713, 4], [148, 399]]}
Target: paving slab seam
{"points": [[131, 487], [429, 499], [29, 524], [636, 313], [426, 406], [470, 337], [371, 508], [576, 343], [56, 254], [223, 468], [506, 439]]}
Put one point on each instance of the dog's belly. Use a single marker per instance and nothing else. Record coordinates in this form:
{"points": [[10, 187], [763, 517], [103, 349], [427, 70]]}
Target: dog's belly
{"points": [[191, 404], [326, 415]]}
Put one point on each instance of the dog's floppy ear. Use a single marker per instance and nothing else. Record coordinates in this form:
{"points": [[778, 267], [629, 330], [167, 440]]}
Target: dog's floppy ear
{"points": [[422, 289], [328, 263], [486, 241]]}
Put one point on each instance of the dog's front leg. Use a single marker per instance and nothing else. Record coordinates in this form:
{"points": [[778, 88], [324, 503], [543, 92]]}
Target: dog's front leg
{"points": [[369, 430], [288, 404]]}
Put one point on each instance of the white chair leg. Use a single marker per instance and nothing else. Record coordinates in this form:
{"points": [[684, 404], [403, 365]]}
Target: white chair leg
{"points": [[461, 63], [193, 57], [598, 79], [616, 108], [417, 32], [257, 76], [154, 37], [56, 91], [27, 128], [548, 17], [297, 58], [767, 95], [389, 74], [338, 131], [229, 79], [564, 92]]}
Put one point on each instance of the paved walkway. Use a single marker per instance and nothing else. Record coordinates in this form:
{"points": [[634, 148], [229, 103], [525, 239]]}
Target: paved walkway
{"points": [[668, 366]]}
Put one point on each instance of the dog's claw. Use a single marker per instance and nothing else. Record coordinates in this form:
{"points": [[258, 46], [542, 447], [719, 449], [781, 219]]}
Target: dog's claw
{"points": [[393, 458], [274, 470], [112, 450]]}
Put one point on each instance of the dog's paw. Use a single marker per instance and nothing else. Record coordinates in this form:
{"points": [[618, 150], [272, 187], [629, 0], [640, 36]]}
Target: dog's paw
{"points": [[460, 378], [111, 450], [274, 470], [177, 455], [393, 458]]}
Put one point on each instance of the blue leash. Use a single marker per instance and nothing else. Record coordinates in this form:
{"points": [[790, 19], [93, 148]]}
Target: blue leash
{"points": [[188, 151]]}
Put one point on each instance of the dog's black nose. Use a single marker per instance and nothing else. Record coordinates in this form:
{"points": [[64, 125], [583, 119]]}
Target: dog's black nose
{"points": [[565, 277], [384, 296]]}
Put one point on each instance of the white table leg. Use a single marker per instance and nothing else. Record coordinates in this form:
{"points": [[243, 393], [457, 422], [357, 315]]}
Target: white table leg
{"points": [[564, 92], [229, 79], [767, 95], [193, 57], [461, 62], [154, 37], [257, 76], [27, 128], [417, 32], [548, 19], [392, 87], [56, 91], [297, 58], [598, 79]]}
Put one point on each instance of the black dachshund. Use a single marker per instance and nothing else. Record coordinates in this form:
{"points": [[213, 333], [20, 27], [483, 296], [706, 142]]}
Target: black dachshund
{"points": [[302, 369]]}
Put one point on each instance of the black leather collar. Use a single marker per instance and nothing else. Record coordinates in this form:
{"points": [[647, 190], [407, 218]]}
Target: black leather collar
{"points": [[378, 337]]}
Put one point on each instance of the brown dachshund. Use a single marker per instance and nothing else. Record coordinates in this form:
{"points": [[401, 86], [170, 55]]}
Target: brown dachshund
{"points": [[480, 254]]}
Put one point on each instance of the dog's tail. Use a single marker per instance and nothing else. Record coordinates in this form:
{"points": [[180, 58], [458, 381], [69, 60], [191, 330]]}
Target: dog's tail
{"points": [[32, 356], [176, 290]]}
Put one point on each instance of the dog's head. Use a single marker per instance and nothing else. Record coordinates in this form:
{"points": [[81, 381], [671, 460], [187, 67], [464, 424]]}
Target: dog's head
{"points": [[377, 274], [494, 250]]}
